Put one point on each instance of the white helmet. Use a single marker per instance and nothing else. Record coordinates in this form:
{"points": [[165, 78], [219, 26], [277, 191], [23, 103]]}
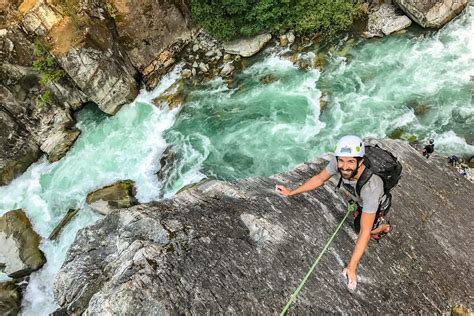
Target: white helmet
{"points": [[350, 146]]}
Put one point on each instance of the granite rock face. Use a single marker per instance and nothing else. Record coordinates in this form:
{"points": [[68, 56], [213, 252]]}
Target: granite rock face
{"points": [[240, 248], [57, 55], [432, 13], [35, 114], [146, 28]]}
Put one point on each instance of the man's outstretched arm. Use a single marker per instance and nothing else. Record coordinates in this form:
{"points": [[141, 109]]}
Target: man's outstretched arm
{"points": [[313, 183], [366, 222]]}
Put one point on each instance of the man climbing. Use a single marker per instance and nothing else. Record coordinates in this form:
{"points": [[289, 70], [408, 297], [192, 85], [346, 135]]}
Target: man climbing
{"points": [[429, 149], [366, 188]]}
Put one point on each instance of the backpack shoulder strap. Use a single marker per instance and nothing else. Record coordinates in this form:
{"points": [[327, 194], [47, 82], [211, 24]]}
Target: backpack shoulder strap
{"points": [[339, 183], [363, 179]]}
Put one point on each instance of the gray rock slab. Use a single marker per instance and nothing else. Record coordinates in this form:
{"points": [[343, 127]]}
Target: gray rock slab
{"points": [[240, 248], [432, 14]]}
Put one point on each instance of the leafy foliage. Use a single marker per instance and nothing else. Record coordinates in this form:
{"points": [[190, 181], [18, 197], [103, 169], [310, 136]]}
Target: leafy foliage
{"points": [[228, 19], [44, 98], [45, 63]]}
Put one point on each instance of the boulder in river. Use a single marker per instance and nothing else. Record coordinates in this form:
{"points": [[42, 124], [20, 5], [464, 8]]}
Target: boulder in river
{"points": [[10, 299], [247, 47], [120, 194], [172, 97], [240, 248], [19, 245], [433, 13]]}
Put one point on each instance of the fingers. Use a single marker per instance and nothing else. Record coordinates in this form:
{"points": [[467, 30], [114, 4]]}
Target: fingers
{"points": [[351, 280], [281, 189], [351, 285]]}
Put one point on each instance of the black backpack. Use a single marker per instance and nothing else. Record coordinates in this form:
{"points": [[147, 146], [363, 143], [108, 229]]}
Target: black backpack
{"points": [[382, 163]]}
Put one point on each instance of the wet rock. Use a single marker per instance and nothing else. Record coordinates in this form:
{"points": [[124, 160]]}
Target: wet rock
{"points": [[306, 61], [323, 101], [66, 219], [10, 299], [432, 14], [294, 58], [419, 107], [247, 47], [269, 79], [59, 142], [120, 194], [320, 62], [172, 97], [227, 70], [19, 255], [167, 165], [283, 41], [186, 73], [471, 162], [195, 252], [291, 37], [203, 67], [347, 48]]}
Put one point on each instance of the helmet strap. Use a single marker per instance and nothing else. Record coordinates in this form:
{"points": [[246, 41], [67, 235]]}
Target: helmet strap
{"points": [[354, 173]]}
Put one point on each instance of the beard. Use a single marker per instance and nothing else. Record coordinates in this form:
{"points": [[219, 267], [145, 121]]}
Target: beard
{"points": [[346, 174]]}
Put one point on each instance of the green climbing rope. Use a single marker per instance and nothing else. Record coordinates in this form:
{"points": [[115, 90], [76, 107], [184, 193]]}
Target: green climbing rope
{"points": [[351, 207]]}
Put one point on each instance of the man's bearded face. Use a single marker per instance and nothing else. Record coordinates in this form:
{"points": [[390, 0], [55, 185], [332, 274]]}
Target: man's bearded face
{"points": [[346, 166]]}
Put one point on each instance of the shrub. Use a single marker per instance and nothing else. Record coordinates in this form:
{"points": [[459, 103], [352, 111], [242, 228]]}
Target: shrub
{"points": [[228, 19], [45, 63], [412, 138], [396, 133], [44, 98]]}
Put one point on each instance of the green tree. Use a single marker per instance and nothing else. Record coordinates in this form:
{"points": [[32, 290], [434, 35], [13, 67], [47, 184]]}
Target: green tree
{"points": [[228, 19]]}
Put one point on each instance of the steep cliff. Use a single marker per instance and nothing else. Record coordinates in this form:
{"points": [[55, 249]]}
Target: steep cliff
{"points": [[58, 55], [240, 248]]}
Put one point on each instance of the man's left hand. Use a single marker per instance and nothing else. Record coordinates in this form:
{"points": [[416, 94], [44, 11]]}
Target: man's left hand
{"points": [[351, 276]]}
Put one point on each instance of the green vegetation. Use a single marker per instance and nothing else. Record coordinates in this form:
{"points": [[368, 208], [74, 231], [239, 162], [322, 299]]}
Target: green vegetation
{"points": [[69, 7], [396, 133], [111, 9], [412, 138], [44, 98], [45, 63], [228, 19]]}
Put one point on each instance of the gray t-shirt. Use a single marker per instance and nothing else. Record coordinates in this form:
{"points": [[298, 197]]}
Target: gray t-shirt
{"points": [[371, 193]]}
